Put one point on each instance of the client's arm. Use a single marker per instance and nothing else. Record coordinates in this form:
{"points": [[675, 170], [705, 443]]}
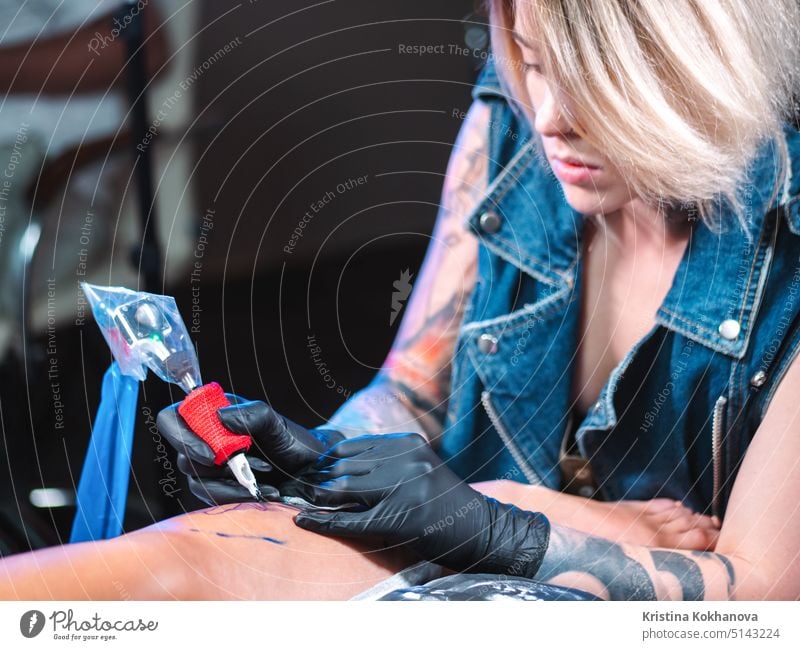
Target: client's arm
{"points": [[410, 391], [657, 522], [238, 551]]}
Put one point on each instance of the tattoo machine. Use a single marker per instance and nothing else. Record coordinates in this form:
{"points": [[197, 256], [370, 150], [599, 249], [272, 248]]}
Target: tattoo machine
{"points": [[144, 331]]}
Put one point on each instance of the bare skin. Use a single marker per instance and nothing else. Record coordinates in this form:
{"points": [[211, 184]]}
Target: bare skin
{"points": [[239, 551], [657, 522], [629, 264]]}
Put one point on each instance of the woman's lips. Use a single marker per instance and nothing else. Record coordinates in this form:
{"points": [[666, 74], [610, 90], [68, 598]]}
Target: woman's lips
{"points": [[573, 171]]}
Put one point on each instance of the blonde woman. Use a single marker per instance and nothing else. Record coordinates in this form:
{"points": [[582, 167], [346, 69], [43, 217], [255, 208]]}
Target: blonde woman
{"points": [[609, 307]]}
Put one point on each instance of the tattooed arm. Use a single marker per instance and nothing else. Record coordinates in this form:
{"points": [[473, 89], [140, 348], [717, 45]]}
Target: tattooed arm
{"points": [[617, 571], [756, 555], [410, 391]]}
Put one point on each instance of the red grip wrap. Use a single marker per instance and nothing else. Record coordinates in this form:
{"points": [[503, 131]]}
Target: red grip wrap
{"points": [[199, 409]]}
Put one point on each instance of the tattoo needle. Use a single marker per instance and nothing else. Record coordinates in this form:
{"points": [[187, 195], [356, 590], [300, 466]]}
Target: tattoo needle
{"points": [[241, 470]]}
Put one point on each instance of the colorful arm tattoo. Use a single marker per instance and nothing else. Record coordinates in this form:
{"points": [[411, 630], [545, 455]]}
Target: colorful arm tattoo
{"points": [[410, 392]]}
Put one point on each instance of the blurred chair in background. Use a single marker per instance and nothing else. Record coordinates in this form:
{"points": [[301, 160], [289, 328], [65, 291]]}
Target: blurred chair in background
{"points": [[69, 209], [86, 202]]}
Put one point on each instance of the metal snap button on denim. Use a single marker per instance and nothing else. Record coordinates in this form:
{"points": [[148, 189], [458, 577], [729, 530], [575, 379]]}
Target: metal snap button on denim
{"points": [[487, 343], [729, 329], [758, 379], [490, 222]]}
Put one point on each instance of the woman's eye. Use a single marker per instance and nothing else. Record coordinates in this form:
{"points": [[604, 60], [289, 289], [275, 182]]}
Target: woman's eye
{"points": [[528, 67]]}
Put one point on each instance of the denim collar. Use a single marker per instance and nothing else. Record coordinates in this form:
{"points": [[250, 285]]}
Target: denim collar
{"points": [[717, 288], [720, 280], [539, 231]]}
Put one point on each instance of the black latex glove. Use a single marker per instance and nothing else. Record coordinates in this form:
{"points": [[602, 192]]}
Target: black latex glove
{"points": [[412, 497], [280, 449]]}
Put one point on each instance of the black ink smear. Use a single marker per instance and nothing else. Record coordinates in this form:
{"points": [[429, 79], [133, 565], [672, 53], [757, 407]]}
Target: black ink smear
{"points": [[263, 538], [222, 510]]}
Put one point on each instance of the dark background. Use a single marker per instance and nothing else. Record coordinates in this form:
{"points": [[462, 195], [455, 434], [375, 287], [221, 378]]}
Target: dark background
{"points": [[316, 93]]}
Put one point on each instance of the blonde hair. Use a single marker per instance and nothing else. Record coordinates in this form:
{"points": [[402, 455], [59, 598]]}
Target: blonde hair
{"points": [[678, 94]]}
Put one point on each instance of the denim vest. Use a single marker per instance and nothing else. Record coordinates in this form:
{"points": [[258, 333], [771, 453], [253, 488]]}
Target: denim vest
{"points": [[675, 417]]}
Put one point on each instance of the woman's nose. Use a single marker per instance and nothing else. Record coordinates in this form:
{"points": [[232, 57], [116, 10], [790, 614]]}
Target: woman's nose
{"points": [[552, 117]]}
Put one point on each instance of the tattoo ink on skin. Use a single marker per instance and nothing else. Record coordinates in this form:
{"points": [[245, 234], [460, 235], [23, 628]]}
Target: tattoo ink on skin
{"points": [[262, 538], [684, 569], [623, 577], [221, 510], [725, 562], [230, 507], [731, 572]]}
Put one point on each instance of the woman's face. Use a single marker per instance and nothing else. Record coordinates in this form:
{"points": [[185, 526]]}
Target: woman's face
{"points": [[591, 184]]}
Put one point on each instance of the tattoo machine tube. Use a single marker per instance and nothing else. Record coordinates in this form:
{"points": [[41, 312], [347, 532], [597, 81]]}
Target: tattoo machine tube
{"points": [[146, 331]]}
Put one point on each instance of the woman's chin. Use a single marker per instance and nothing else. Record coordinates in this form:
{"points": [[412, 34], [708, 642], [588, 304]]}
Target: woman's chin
{"points": [[585, 202], [591, 200]]}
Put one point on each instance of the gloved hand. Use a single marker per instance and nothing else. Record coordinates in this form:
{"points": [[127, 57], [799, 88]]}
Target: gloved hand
{"points": [[412, 497], [280, 449]]}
